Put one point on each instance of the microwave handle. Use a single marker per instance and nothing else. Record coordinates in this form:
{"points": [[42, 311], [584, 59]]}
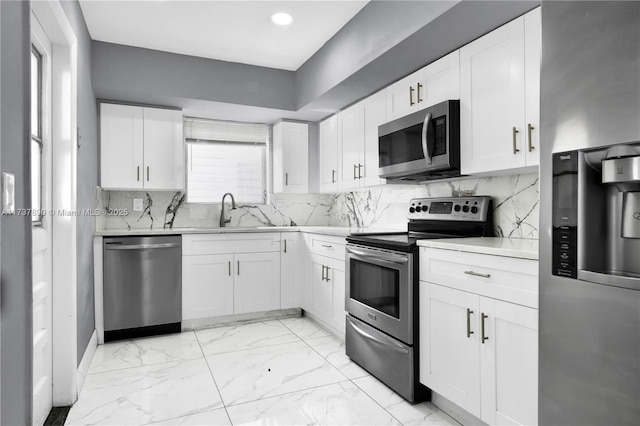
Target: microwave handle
{"points": [[427, 138]]}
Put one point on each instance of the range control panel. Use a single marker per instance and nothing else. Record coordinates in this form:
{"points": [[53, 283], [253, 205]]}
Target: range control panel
{"points": [[451, 208]]}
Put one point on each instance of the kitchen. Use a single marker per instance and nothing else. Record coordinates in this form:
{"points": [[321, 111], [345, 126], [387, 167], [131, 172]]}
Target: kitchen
{"points": [[576, 85]]}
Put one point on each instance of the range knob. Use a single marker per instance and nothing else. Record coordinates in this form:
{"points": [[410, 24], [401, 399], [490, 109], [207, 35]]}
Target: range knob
{"points": [[456, 207], [465, 209], [474, 210], [418, 209], [412, 210]]}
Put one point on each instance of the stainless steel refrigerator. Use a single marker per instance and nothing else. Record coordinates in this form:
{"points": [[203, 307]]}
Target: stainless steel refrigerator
{"points": [[589, 371]]}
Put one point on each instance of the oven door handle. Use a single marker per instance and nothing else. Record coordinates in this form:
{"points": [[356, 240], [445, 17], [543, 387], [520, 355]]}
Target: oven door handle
{"points": [[393, 345], [384, 257]]}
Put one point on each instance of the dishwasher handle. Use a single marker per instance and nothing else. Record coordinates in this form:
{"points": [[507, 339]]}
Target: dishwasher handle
{"points": [[117, 246]]}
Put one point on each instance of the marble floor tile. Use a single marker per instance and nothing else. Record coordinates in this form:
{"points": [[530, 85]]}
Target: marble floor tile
{"points": [[217, 417], [332, 349], [304, 328], [335, 404], [408, 414], [274, 370], [147, 394], [245, 336], [147, 351]]}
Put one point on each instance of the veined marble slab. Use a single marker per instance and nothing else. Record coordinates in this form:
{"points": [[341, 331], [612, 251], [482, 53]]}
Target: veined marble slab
{"points": [[510, 247]]}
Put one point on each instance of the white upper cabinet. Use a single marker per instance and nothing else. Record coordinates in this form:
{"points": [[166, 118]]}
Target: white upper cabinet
{"points": [[358, 142], [290, 157], [500, 97], [328, 136], [141, 148], [435, 83]]}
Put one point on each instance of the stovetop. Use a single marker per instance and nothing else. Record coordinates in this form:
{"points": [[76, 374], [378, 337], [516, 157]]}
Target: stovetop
{"points": [[431, 218]]}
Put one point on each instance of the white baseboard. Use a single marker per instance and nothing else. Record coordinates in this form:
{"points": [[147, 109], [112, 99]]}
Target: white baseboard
{"points": [[458, 414], [226, 320], [328, 327], [87, 357]]}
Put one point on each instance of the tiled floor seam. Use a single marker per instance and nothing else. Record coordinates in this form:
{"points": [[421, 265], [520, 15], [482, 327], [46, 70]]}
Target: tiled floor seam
{"points": [[374, 400], [139, 366], [250, 349], [224, 405]]}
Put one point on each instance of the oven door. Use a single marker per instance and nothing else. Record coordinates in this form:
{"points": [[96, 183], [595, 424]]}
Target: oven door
{"points": [[379, 289]]}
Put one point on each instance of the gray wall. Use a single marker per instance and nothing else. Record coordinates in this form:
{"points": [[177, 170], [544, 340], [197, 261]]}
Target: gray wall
{"points": [[87, 176], [139, 75], [15, 231]]}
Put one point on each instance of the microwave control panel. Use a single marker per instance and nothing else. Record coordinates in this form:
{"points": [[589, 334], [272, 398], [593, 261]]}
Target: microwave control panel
{"points": [[565, 215]]}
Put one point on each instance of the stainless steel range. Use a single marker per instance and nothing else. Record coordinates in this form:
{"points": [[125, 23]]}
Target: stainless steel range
{"points": [[382, 287]]}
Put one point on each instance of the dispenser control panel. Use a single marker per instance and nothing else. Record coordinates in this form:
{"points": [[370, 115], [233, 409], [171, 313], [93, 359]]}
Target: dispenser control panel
{"points": [[565, 214]]}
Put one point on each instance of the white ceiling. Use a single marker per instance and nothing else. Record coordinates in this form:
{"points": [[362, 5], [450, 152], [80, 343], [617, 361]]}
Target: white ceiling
{"points": [[235, 31]]}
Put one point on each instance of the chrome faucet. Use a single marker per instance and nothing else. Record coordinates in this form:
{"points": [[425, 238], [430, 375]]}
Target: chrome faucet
{"points": [[224, 221]]}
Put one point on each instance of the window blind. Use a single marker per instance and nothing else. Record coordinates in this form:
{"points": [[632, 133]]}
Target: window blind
{"points": [[225, 157]]}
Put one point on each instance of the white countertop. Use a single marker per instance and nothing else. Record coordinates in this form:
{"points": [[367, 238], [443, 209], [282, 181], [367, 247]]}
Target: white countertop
{"points": [[339, 231], [509, 247]]}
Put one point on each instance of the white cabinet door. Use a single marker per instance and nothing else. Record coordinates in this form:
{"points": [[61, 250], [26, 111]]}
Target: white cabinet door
{"points": [[336, 275], [492, 101], [163, 149], [351, 137], [121, 146], [374, 115], [328, 135], [291, 270], [450, 345], [290, 157], [532, 61], [257, 282], [321, 289], [440, 80], [402, 97], [509, 363], [207, 286]]}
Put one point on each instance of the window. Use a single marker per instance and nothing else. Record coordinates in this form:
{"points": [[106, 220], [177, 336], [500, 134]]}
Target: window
{"points": [[226, 157], [36, 135]]}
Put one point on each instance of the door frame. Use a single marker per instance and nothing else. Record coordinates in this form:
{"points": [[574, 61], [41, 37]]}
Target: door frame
{"points": [[54, 21]]}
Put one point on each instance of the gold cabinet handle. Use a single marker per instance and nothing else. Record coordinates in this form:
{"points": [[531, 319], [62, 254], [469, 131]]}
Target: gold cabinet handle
{"points": [[327, 246], [529, 129], [286, 179], [360, 166], [484, 337], [411, 89], [419, 87], [229, 268], [477, 274], [138, 174], [469, 332], [323, 272], [515, 147], [333, 176], [355, 171], [147, 173], [285, 246], [238, 268], [327, 278]]}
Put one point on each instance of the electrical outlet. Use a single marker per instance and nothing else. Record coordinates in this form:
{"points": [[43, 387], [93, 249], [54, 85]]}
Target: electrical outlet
{"points": [[137, 205]]}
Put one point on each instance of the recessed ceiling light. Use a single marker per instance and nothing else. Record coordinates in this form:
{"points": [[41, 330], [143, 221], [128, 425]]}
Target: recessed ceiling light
{"points": [[281, 18]]}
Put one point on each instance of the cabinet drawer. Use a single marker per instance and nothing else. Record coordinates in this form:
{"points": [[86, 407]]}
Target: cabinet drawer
{"points": [[198, 244], [506, 278], [324, 245]]}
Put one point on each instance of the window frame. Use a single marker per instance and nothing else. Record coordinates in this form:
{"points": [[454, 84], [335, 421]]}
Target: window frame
{"points": [[37, 220]]}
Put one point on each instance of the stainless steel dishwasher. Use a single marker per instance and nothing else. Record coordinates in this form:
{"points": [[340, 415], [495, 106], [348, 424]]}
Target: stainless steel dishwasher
{"points": [[142, 286]]}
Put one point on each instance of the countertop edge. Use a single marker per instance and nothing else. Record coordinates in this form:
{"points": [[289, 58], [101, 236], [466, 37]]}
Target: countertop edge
{"points": [[496, 246]]}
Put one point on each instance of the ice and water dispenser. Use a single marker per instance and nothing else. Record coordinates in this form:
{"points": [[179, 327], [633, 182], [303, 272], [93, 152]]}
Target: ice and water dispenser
{"points": [[596, 215]]}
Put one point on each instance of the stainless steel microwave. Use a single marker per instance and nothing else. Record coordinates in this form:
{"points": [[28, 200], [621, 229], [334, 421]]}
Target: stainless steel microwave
{"points": [[421, 146]]}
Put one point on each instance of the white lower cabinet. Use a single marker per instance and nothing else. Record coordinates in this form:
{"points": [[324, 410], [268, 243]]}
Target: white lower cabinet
{"points": [[215, 283], [479, 352], [291, 272]]}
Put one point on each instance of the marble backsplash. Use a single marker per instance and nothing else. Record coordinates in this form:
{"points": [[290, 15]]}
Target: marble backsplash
{"points": [[516, 203]]}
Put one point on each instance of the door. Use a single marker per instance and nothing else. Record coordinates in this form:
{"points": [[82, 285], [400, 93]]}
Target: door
{"points": [[328, 130], [321, 290], [375, 114], [207, 286], [257, 282], [402, 97], [163, 149], [291, 157], [449, 344], [121, 147], [509, 363], [41, 177], [440, 80], [532, 61], [291, 270], [351, 139], [336, 276], [492, 100]]}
